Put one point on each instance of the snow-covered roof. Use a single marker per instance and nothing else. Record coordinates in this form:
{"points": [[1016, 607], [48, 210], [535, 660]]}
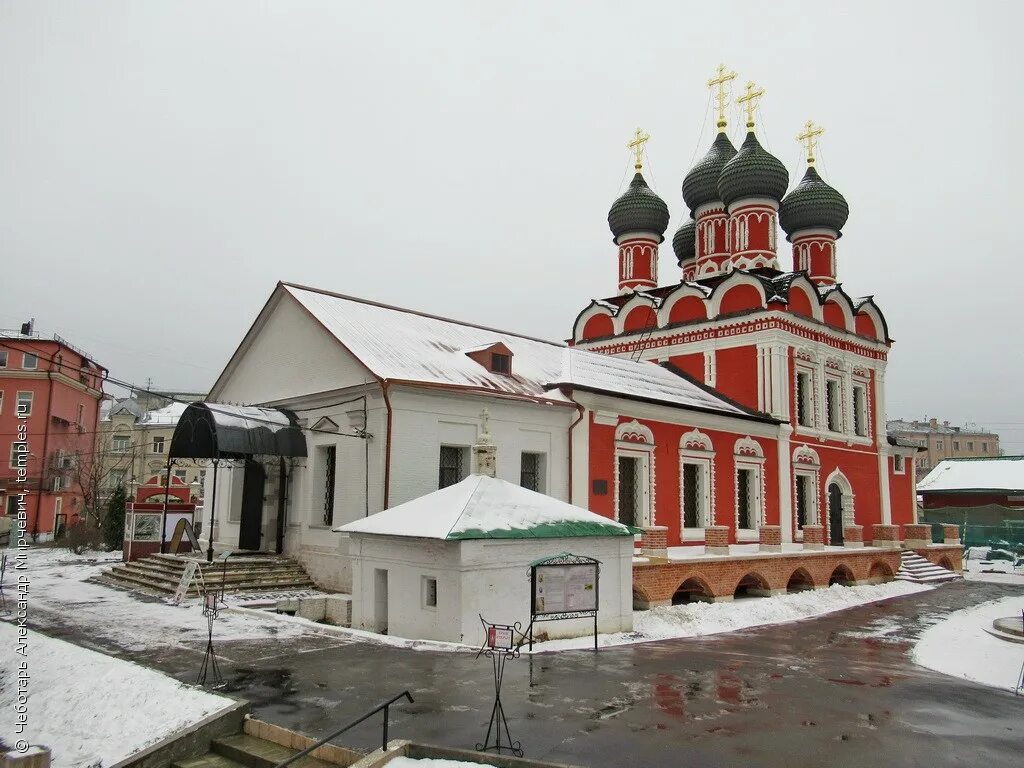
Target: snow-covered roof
{"points": [[166, 416], [1003, 473], [482, 507], [402, 345]]}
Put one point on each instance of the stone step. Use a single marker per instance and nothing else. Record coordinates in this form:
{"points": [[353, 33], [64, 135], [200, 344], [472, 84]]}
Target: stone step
{"points": [[214, 572], [918, 570], [257, 753], [209, 760], [131, 577]]}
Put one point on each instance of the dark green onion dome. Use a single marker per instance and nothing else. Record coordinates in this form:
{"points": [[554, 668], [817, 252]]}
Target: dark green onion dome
{"points": [[752, 172], [701, 184], [638, 210], [684, 243], [813, 204]]}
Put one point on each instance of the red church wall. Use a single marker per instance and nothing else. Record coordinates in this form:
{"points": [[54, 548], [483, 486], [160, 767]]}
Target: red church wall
{"points": [[737, 373], [800, 303], [902, 495], [833, 315], [640, 318], [865, 325], [598, 327], [688, 308], [691, 364], [739, 298]]}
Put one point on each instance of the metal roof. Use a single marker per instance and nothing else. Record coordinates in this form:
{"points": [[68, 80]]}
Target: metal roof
{"points": [[220, 431]]}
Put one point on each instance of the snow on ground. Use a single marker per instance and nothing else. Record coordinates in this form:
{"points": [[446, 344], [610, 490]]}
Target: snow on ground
{"points": [[978, 566], [428, 762], [57, 583], [960, 646], [711, 618], [92, 709]]}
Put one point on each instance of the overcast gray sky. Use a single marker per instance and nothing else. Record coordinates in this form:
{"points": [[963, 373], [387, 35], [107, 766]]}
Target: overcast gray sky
{"points": [[163, 164]]}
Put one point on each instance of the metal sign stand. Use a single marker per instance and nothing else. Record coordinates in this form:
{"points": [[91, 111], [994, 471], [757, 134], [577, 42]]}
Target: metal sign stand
{"points": [[3, 572], [500, 645], [1020, 677], [210, 610], [540, 612]]}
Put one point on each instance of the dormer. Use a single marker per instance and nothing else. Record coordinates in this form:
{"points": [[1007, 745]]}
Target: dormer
{"points": [[495, 357]]}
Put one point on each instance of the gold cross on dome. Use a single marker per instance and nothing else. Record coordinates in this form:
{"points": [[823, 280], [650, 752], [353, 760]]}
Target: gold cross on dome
{"points": [[809, 137], [749, 99], [637, 145], [720, 79]]}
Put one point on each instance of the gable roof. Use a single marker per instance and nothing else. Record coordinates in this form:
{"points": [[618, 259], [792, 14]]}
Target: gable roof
{"points": [[404, 346], [482, 507], [1003, 473]]}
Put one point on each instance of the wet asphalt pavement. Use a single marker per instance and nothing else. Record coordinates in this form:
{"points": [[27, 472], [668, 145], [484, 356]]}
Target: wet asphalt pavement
{"points": [[837, 690]]}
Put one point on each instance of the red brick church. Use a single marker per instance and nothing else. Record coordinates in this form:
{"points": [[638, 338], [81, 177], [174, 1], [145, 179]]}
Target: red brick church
{"points": [[782, 339]]}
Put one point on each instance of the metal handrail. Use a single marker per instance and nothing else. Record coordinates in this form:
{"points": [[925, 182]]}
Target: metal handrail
{"points": [[384, 741]]}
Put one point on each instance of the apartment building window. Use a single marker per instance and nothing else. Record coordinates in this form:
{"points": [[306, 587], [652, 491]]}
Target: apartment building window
{"points": [[158, 445], [81, 415], [804, 408], [121, 443], [956, 445], [970, 445], [938, 445], [833, 403], [860, 410], [3, 358], [531, 471], [14, 455], [116, 478], [451, 465], [984, 447], [1, 402], [181, 474], [23, 404], [29, 361]]}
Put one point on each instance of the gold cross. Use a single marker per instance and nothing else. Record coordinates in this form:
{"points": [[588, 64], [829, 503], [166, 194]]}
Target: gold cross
{"points": [[637, 145], [721, 78], [750, 100], [810, 138]]}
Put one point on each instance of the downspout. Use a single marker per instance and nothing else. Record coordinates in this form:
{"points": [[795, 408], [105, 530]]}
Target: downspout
{"points": [[580, 412], [387, 443], [42, 472]]}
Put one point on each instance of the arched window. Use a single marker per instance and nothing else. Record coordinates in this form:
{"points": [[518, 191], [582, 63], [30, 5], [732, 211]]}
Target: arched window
{"points": [[696, 483], [806, 468], [748, 458], [634, 474]]}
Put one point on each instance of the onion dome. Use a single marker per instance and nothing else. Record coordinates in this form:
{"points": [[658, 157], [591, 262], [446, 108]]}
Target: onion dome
{"points": [[813, 204], [701, 184], [684, 243], [752, 172], [638, 210]]}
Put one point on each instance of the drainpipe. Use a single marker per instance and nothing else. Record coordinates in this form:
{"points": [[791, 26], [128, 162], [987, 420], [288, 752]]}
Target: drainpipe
{"points": [[42, 473], [387, 444], [579, 417]]}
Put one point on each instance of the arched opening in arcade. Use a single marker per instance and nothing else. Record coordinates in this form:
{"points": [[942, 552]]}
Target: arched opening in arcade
{"points": [[841, 575], [693, 590], [752, 585], [800, 581], [880, 572]]}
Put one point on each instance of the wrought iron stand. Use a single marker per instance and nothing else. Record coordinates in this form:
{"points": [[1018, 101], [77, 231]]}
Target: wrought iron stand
{"points": [[211, 609], [499, 655]]}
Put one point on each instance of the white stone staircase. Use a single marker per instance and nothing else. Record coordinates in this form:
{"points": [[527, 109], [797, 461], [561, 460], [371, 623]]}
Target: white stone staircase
{"points": [[916, 569]]}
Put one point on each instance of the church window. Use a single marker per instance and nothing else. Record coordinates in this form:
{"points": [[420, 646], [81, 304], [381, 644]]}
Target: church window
{"points": [[804, 406], [860, 410], [691, 493], [329, 457], [833, 402], [744, 500], [531, 471], [804, 501], [429, 590], [897, 465], [452, 465]]}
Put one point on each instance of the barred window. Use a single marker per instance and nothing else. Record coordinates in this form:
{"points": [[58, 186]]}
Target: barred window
{"points": [[330, 456], [451, 466], [530, 470], [744, 489]]}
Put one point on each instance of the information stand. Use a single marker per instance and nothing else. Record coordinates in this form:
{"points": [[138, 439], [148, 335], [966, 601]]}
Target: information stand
{"points": [[564, 587]]}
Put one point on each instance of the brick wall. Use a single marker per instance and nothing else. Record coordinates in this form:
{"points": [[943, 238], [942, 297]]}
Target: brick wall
{"points": [[655, 584]]}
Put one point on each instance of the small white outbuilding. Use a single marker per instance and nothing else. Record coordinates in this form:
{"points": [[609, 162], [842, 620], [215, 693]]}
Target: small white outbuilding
{"points": [[429, 568]]}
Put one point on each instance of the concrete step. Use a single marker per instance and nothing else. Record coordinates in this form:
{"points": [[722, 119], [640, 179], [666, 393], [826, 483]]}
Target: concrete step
{"points": [[918, 570], [132, 577], [216, 573], [257, 753], [209, 760]]}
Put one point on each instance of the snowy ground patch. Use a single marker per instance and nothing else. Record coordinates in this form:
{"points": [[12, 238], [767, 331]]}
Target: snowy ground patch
{"points": [[980, 565], [712, 618], [960, 646], [92, 709]]}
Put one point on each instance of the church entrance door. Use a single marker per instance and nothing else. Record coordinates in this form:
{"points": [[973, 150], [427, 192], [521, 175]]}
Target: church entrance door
{"points": [[250, 532], [835, 515]]}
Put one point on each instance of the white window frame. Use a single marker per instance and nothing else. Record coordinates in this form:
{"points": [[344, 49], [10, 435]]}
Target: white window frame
{"points": [[18, 400], [806, 464], [3, 358], [696, 448], [860, 411], [24, 361], [806, 364], [834, 404], [748, 455], [899, 464], [634, 440], [157, 440]]}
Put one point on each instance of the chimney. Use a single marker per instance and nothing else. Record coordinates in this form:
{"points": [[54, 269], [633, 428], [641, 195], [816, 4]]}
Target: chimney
{"points": [[933, 423], [484, 449]]}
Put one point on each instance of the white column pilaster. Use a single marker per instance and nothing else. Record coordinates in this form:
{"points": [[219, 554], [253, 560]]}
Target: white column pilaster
{"points": [[785, 483]]}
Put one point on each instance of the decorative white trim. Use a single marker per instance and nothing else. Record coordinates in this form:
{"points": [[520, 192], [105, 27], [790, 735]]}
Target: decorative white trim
{"points": [[705, 463], [846, 488], [606, 418], [635, 435], [695, 440], [748, 454], [734, 279]]}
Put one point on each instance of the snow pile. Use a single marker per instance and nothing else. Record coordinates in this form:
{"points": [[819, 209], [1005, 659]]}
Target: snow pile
{"points": [[481, 505], [92, 709], [695, 619], [960, 646], [985, 564], [429, 762]]}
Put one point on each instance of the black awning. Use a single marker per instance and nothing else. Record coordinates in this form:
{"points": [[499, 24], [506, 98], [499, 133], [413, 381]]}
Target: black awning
{"points": [[219, 431]]}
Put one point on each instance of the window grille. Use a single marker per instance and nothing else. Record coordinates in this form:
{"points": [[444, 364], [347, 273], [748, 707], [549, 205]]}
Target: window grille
{"points": [[330, 462], [691, 495], [450, 470], [529, 471]]}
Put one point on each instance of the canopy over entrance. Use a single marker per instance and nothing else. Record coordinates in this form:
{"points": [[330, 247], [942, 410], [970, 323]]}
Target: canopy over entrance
{"points": [[220, 431]]}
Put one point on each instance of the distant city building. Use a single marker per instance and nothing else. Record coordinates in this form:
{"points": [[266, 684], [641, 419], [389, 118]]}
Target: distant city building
{"points": [[134, 442], [50, 393], [944, 441]]}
